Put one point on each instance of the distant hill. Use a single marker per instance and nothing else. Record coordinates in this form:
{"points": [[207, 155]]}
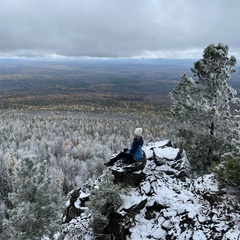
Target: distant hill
{"points": [[34, 81]]}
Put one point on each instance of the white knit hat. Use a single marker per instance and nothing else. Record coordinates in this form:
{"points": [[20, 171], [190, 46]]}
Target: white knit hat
{"points": [[138, 132]]}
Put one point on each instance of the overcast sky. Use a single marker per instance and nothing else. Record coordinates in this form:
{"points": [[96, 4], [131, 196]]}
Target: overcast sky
{"points": [[117, 28]]}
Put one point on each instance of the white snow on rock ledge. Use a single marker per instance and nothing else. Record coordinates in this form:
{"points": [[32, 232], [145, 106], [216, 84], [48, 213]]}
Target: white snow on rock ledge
{"points": [[168, 152], [158, 144], [130, 200]]}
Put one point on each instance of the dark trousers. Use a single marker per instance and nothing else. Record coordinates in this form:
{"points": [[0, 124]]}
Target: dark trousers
{"points": [[128, 156]]}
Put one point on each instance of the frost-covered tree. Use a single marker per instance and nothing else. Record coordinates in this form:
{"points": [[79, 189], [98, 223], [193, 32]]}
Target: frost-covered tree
{"points": [[202, 107], [3, 211], [35, 202], [104, 199], [5, 177], [228, 171]]}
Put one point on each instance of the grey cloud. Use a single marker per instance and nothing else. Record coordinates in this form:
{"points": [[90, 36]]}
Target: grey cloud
{"points": [[115, 28]]}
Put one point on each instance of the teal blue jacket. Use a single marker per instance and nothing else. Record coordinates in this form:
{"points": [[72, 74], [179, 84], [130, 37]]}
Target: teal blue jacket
{"points": [[136, 149]]}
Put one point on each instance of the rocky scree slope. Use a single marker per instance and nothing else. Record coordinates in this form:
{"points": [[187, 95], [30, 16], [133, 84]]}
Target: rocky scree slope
{"points": [[163, 203]]}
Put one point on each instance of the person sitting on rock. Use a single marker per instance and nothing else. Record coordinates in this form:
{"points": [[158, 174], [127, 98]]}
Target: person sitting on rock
{"points": [[132, 155]]}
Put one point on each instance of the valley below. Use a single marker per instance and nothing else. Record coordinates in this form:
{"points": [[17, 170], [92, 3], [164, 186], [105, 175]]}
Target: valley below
{"points": [[84, 84]]}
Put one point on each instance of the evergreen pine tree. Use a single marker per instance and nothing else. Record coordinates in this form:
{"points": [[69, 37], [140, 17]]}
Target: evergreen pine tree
{"points": [[104, 199], [201, 107], [228, 172], [35, 203], [5, 182]]}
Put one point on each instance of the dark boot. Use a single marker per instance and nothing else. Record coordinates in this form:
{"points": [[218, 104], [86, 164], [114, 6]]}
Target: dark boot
{"points": [[108, 164], [113, 160]]}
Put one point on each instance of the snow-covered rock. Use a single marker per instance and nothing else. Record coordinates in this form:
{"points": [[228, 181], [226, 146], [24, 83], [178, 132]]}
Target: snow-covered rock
{"points": [[165, 203]]}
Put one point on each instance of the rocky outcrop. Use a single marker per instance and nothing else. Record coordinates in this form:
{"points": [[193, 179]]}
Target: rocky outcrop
{"points": [[129, 174], [163, 202], [76, 204]]}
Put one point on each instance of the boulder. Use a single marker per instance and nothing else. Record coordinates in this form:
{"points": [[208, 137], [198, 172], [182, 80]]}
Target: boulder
{"points": [[75, 205], [129, 174]]}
